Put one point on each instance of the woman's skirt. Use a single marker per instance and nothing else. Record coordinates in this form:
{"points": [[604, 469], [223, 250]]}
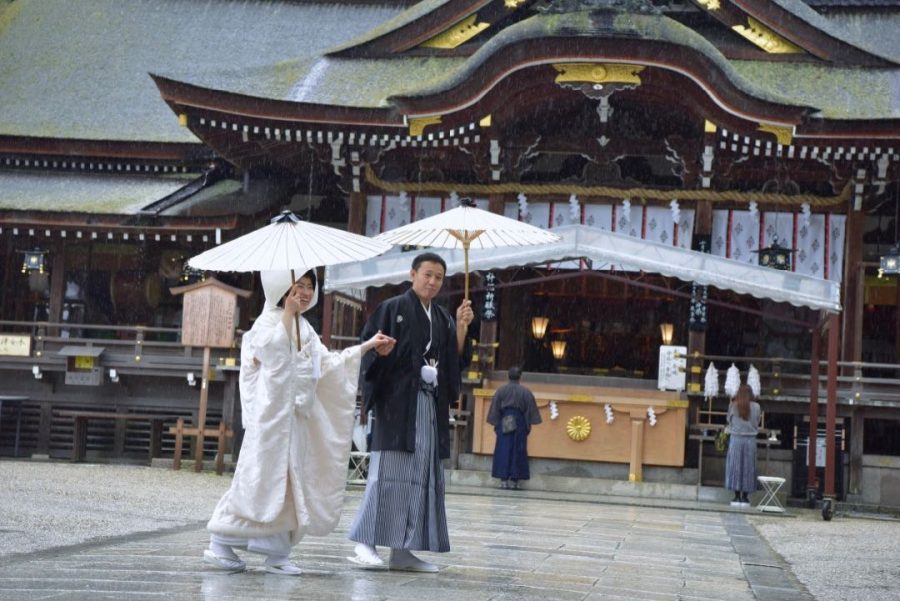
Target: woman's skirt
{"points": [[403, 506], [740, 464]]}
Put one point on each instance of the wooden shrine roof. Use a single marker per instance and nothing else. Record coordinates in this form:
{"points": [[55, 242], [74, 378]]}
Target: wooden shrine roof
{"points": [[79, 70], [307, 89]]}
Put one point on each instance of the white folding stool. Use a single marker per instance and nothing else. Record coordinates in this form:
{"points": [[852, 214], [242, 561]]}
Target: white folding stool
{"points": [[770, 502]]}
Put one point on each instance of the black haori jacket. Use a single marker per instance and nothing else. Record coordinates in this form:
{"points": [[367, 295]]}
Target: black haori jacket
{"points": [[390, 385]]}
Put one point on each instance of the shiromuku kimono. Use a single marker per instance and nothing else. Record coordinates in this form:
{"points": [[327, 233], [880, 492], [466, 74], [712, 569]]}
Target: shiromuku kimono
{"points": [[512, 413], [298, 416]]}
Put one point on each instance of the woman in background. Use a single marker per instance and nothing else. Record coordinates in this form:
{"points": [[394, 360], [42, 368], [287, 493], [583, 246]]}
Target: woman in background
{"points": [[740, 464]]}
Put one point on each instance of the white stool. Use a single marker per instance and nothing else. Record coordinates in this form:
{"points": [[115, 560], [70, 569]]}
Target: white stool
{"points": [[770, 502], [359, 467]]}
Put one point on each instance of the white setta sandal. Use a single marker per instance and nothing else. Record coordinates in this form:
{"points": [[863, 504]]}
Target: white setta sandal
{"points": [[223, 563]]}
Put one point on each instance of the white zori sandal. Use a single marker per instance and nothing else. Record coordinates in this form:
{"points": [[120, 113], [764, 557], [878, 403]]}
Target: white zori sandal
{"points": [[366, 556], [283, 566], [231, 564]]}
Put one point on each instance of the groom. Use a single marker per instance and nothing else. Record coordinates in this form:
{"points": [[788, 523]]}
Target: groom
{"points": [[410, 390]]}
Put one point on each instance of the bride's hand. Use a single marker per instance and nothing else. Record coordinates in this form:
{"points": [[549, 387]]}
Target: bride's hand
{"points": [[382, 344]]}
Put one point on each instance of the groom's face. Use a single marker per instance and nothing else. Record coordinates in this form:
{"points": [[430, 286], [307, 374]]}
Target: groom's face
{"points": [[427, 280]]}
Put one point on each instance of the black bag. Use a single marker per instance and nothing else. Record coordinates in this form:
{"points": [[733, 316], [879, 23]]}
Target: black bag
{"points": [[508, 424]]}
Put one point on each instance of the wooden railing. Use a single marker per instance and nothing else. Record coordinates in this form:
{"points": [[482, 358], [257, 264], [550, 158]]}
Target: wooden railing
{"points": [[141, 350], [871, 384]]}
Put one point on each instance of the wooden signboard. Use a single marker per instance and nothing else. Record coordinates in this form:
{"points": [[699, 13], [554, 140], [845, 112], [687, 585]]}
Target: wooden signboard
{"points": [[16, 345], [209, 313], [207, 321]]}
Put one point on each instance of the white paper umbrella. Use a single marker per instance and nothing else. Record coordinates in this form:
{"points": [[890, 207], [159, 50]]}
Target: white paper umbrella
{"points": [[288, 243], [467, 227]]}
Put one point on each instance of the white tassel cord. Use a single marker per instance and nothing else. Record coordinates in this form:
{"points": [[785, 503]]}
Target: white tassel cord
{"points": [[676, 211], [626, 210], [523, 204], [711, 383], [732, 381], [753, 381], [574, 209]]}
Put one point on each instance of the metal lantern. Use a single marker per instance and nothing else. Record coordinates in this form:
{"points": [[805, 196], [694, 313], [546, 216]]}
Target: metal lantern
{"points": [[35, 261], [890, 262], [775, 256]]}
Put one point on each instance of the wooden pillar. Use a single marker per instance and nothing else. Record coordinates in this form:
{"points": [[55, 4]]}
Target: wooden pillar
{"points": [[43, 442], [327, 319], [812, 485], [356, 221], [831, 408], [230, 405], [636, 463], [854, 291], [201, 412], [57, 284], [857, 423], [697, 338], [11, 269]]}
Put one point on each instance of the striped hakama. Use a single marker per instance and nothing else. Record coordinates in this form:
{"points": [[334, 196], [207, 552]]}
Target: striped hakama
{"points": [[403, 506], [740, 464]]}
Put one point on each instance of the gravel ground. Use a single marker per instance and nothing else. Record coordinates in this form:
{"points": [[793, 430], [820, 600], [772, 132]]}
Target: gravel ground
{"points": [[846, 559], [48, 505]]}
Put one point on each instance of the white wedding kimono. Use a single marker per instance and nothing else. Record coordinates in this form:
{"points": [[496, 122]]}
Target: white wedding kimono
{"points": [[298, 416]]}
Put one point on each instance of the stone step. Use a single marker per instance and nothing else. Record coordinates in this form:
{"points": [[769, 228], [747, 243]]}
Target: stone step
{"points": [[596, 487]]}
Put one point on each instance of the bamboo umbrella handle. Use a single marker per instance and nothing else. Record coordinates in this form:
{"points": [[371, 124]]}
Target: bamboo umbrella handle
{"points": [[466, 266], [296, 317]]}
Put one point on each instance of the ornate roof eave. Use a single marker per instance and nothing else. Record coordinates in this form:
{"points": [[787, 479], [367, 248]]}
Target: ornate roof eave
{"points": [[125, 223], [472, 84], [797, 24], [64, 147], [179, 93]]}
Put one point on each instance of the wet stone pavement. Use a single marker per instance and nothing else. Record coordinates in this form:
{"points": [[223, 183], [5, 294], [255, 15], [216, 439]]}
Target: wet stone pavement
{"points": [[504, 547]]}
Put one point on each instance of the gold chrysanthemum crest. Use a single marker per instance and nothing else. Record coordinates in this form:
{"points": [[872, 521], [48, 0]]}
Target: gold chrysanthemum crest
{"points": [[578, 428]]}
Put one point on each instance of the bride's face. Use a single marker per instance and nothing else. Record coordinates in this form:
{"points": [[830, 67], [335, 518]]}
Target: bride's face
{"points": [[303, 290]]}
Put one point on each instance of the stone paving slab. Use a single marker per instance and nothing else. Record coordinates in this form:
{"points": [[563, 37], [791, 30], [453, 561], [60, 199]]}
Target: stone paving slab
{"points": [[503, 548]]}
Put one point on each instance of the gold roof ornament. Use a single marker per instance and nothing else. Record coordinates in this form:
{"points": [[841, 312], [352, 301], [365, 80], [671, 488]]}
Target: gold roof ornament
{"points": [[458, 34], [598, 73], [765, 38], [417, 125], [784, 134], [710, 4]]}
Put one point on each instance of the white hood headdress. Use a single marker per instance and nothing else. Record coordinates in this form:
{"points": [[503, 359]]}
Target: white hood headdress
{"points": [[275, 285]]}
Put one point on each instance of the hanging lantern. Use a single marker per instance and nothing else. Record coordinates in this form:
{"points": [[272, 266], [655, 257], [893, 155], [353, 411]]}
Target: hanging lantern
{"points": [[559, 349], [539, 327], [666, 330], [35, 261], [190, 275], [775, 256], [890, 262]]}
